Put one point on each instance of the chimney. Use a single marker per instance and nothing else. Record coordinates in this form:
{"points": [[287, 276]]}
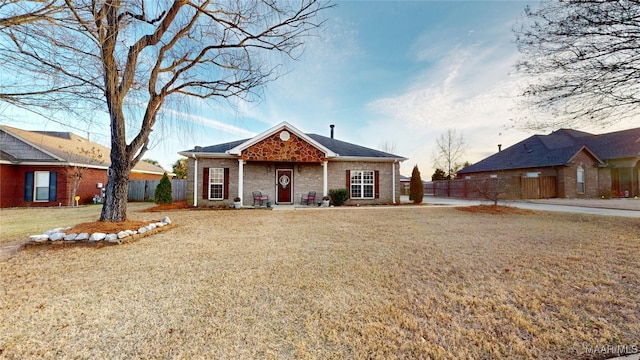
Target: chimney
{"points": [[332, 126], [499, 147]]}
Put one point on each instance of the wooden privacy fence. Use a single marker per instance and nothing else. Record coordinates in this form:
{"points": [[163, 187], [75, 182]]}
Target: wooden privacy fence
{"points": [[515, 187], [143, 190]]}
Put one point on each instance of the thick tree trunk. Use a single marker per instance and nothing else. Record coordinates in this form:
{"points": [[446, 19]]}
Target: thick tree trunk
{"points": [[114, 208]]}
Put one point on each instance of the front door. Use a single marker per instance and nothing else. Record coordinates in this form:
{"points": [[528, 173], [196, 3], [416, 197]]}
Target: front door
{"points": [[284, 182]]}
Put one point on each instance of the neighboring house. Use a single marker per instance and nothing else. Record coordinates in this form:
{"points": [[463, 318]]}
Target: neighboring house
{"points": [[285, 164], [39, 168], [583, 164]]}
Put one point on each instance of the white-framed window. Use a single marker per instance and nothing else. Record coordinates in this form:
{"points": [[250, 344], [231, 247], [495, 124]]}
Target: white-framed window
{"points": [[532, 175], [493, 176], [41, 186], [216, 183], [362, 184], [580, 179]]}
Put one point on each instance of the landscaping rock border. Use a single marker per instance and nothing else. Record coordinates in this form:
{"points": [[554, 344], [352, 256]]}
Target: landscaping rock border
{"points": [[59, 237]]}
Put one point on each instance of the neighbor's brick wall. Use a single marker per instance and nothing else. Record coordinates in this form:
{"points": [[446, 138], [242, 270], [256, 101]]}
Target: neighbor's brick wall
{"points": [[144, 176], [14, 197], [596, 179], [570, 177], [10, 194]]}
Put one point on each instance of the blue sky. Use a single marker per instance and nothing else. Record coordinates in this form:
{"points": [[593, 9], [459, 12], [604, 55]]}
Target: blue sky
{"points": [[400, 72]]}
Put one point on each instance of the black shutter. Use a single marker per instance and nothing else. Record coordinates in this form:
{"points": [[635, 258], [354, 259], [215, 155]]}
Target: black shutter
{"points": [[376, 183], [205, 183], [28, 186], [226, 183], [349, 183], [53, 180]]}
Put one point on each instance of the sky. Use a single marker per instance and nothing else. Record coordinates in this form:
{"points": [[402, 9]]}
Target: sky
{"points": [[399, 73]]}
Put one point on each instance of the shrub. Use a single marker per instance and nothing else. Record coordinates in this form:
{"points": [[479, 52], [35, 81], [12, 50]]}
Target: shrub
{"points": [[162, 195], [338, 196], [416, 189]]}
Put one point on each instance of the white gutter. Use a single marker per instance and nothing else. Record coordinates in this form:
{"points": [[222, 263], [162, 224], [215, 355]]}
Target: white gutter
{"points": [[195, 181]]}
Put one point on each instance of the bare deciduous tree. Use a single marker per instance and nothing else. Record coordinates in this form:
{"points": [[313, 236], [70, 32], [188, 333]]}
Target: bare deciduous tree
{"points": [[582, 59], [492, 189], [110, 54], [450, 147]]}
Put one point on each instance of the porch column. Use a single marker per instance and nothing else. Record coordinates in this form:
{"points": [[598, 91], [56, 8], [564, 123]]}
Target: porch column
{"points": [[240, 178], [325, 192], [195, 181]]}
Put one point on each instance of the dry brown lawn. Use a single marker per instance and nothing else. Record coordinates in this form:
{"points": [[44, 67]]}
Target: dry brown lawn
{"points": [[404, 282]]}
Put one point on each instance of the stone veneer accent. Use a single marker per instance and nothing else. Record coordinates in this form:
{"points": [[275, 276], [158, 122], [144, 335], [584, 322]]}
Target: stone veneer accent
{"points": [[274, 148]]}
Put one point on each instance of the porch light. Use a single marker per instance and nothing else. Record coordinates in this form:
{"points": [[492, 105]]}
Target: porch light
{"points": [[299, 168]]}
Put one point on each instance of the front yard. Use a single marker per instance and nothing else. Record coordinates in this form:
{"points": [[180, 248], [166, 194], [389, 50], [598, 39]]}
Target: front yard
{"points": [[404, 282]]}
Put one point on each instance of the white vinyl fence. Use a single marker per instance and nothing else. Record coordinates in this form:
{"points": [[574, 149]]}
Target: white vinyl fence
{"points": [[143, 190]]}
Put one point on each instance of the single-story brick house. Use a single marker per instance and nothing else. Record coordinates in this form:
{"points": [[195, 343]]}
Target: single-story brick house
{"points": [[583, 164], [38, 168], [286, 164]]}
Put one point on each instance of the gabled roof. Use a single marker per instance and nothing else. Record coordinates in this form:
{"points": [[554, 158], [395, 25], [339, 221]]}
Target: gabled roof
{"points": [[333, 148], [63, 148], [559, 147], [237, 150]]}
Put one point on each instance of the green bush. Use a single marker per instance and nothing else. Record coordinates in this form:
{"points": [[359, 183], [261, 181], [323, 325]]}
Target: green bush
{"points": [[338, 196], [416, 189], [162, 195]]}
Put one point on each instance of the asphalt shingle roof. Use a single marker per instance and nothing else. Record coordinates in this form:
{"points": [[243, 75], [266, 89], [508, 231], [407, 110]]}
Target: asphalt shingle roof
{"points": [[24, 145], [558, 148], [342, 148]]}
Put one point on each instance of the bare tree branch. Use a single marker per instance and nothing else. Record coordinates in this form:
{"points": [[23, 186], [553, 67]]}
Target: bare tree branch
{"points": [[582, 61]]}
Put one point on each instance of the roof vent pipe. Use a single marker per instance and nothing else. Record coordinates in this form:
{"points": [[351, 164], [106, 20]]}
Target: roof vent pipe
{"points": [[499, 147], [332, 126]]}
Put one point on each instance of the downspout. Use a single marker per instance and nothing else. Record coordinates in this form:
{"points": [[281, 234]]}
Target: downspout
{"points": [[195, 181]]}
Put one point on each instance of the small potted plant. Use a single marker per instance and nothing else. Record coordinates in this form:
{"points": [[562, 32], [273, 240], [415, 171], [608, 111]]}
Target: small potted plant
{"points": [[237, 202], [325, 201]]}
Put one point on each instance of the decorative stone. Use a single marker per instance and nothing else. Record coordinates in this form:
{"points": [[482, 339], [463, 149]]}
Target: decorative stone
{"points": [[97, 236], [151, 226], [56, 236], [143, 230], [166, 220], [110, 237], [70, 237], [122, 235], [39, 238], [82, 236], [159, 224], [53, 231], [130, 232]]}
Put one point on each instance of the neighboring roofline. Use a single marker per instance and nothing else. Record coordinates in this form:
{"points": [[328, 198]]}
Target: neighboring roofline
{"points": [[4, 127], [152, 172], [65, 164], [283, 125]]}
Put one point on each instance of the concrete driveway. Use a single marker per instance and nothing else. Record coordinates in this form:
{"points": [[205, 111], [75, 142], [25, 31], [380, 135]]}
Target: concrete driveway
{"points": [[609, 207]]}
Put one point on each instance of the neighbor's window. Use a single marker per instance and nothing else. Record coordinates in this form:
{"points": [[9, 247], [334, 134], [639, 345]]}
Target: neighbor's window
{"points": [[362, 183], [216, 183], [41, 186], [580, 177]]}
